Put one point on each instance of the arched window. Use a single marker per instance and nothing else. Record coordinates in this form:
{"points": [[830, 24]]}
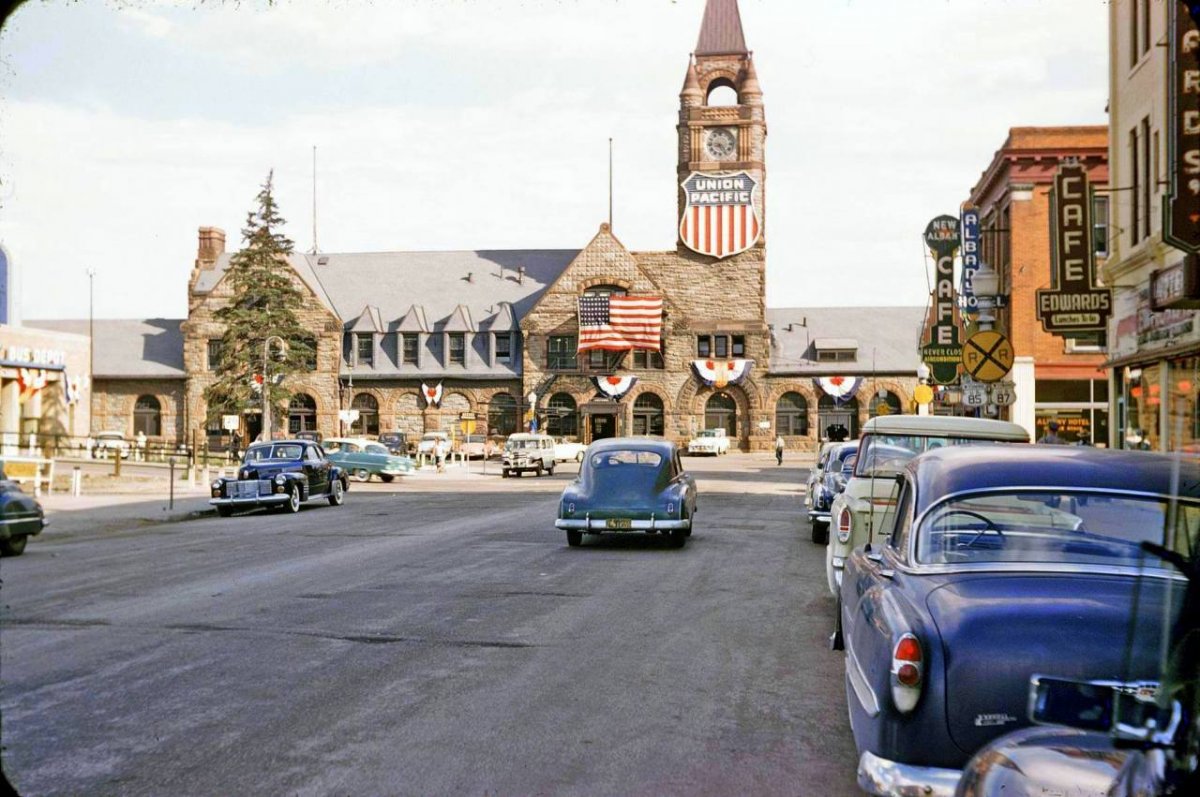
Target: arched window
{"points": [[885, 402], [721, 413], [648, 415], [833, 416], [368, 415], [562, 416], [605, 290], [721, 92], [791, 415], [302, 414], [502, 414], [147, 416]]}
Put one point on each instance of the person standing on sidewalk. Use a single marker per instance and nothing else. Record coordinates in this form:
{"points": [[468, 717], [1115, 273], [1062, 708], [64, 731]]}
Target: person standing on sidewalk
{"points": [[1051, 438], [779, 450]]}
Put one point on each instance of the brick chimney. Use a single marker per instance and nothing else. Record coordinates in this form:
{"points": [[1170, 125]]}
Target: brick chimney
{"points": [[212, 246]]}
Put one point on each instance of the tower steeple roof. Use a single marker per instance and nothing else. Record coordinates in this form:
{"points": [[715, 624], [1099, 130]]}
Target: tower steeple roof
{"points": [[721, 30]]}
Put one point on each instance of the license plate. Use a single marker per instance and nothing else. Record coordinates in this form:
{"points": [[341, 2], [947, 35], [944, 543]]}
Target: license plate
{"points": [[618, 523]]}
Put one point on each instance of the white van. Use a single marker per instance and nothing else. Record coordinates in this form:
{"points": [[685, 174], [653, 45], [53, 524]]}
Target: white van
{"points": [[524, 452]]}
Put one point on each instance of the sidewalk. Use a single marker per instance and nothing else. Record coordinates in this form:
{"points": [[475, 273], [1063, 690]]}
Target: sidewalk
{"points": [[111, 511]]}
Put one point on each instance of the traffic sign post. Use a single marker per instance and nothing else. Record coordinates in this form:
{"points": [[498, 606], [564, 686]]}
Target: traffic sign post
{"points": [[987, 356]]}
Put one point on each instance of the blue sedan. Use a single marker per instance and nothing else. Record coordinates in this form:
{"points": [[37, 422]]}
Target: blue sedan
{"points": [[629, 484], [1002, 562]]}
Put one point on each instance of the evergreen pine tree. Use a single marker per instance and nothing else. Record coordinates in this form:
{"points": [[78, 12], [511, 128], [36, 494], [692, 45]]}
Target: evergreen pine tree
{"points": [[264, 303]]}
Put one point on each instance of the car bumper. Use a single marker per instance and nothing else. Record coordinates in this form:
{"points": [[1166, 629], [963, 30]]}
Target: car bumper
{"points": [[262, 500], [600, 524], [819, 516], [891, 779]]}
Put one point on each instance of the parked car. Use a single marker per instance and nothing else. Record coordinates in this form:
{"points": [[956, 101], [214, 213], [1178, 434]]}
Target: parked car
{"points": [[282, 473], [362, 459], [567, 450], [826, 481], [629, 484], [21, 517], [109, 444], [1115, 738], [476, 446], [709, 441], [433, 443], [396, 443], [1002, 562], [863, 510], [524, 452]]}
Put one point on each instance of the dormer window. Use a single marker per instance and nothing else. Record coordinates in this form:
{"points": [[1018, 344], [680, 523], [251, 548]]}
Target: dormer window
{"points": [[458, 348], [503, 347], [365, 348], [836, 350]]}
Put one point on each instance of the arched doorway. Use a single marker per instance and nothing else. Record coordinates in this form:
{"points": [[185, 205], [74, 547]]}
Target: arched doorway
{"points": [[302, 414], [147, 416], [648, 415], [721, 413], [368, 415], [834, 415], [562, 416], [885, 402]]}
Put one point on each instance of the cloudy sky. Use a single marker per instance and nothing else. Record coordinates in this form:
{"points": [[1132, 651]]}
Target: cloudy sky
{"points": [[463, 124]]}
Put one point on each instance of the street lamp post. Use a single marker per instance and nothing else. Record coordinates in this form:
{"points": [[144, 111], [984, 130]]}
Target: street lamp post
{"points": [[986, 285], [266, 384]]}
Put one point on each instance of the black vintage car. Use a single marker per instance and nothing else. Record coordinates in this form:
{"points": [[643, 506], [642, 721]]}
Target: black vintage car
{"points": [[283, 474], [21, 517]]}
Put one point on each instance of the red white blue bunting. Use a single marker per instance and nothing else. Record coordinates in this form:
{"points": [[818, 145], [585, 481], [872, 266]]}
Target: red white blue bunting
{"points": [[719, 373], [433, 395], [839, 388], [615, 387]]}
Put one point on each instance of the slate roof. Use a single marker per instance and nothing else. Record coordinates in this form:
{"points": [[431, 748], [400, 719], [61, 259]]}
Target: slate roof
{"points": [[886, 339], [129, 347]]}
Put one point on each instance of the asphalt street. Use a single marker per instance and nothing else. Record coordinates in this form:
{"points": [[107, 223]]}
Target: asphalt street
{"points": [[434, 636]]}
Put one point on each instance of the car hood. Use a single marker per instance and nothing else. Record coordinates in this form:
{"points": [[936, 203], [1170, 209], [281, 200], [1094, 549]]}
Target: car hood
{"points": [[997, 630]]}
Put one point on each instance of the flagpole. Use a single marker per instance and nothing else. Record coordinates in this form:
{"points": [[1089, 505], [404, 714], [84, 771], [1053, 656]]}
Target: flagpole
{"points": [[610, 183]]}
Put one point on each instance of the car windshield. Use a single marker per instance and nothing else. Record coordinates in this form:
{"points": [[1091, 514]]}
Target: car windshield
{"points": [[1076, 528], [375, 448], [280, 451], [708, 433], [433, 437], [888, 453], [514, 445]]}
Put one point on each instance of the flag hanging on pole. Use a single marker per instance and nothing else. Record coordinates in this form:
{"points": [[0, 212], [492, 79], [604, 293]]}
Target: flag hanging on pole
{"points": [[618, 323]]}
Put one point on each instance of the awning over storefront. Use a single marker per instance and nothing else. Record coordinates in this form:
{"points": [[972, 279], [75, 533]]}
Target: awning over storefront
{"points": [[1156, 355]]}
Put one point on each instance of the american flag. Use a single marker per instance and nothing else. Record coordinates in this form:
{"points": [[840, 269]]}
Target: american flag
{"points": [[620, 322]]}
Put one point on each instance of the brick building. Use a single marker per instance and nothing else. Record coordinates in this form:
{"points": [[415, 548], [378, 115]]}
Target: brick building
{"points": [[1055, 378], [494, 329]]}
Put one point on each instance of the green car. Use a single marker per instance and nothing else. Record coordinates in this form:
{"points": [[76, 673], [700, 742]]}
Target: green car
{"points": [[362, 458]]}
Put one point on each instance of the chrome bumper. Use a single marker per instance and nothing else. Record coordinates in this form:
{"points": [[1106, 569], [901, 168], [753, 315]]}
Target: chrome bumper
{"points": [[889, 779], [273, 498], [818, 516], [634, 525]]}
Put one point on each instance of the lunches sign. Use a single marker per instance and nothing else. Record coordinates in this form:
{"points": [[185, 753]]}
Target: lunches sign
{"points": [[719, 218], [1074, 303]]}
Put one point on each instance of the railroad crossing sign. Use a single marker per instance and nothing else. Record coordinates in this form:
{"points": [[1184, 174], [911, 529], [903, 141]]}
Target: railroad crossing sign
{"points": [[987, 355]]}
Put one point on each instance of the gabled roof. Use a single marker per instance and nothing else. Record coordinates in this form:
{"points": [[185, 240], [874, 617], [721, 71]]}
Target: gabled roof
{"points": [[504, 320], [721, 30], [413, 320], [459, 321], [129, 347], [368, 321]]}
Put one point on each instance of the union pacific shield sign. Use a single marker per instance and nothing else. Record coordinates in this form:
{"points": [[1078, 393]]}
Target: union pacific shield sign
{"points": [[719, 218]]}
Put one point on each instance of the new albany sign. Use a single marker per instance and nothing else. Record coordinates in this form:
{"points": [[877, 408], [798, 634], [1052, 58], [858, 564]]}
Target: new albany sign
{"points": [[1074, 303], [943, 352]]}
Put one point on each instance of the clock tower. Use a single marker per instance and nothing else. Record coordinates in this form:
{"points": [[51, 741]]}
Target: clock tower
{"points": [[721, 172]]}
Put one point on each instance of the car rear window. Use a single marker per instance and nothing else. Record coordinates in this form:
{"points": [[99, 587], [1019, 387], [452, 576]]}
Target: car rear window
{"points": [[620, 459], [888, 453]]}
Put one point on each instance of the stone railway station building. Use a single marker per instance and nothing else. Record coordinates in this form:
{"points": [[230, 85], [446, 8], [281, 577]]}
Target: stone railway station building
{"points": [[493, 327]]}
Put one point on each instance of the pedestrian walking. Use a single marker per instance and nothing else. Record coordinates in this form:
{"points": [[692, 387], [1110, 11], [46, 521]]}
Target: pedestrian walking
{"points": [[779, 450], [1051, 438]]}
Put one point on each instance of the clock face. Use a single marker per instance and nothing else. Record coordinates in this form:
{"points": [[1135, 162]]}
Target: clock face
{"points": [[721, 143]]}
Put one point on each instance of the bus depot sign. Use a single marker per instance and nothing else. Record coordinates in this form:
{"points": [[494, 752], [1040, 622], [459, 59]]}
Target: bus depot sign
{"points": [[1181, 210], [1073, 303], [943, 352]]}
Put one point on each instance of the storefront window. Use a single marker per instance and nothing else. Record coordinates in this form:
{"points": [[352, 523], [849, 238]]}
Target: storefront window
{"points": [[1141, 399], [1183, 382]]}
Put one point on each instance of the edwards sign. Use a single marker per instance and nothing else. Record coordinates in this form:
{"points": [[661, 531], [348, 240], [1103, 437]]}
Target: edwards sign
{"points": [[1073, 303]]}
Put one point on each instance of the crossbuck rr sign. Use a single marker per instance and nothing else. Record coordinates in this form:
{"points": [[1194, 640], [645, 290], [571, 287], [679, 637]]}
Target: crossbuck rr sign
{"points": [[719, 218]]}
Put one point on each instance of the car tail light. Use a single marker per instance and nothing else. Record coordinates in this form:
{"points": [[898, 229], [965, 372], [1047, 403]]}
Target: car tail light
{"points": [[908, 670], [844, 522]]}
